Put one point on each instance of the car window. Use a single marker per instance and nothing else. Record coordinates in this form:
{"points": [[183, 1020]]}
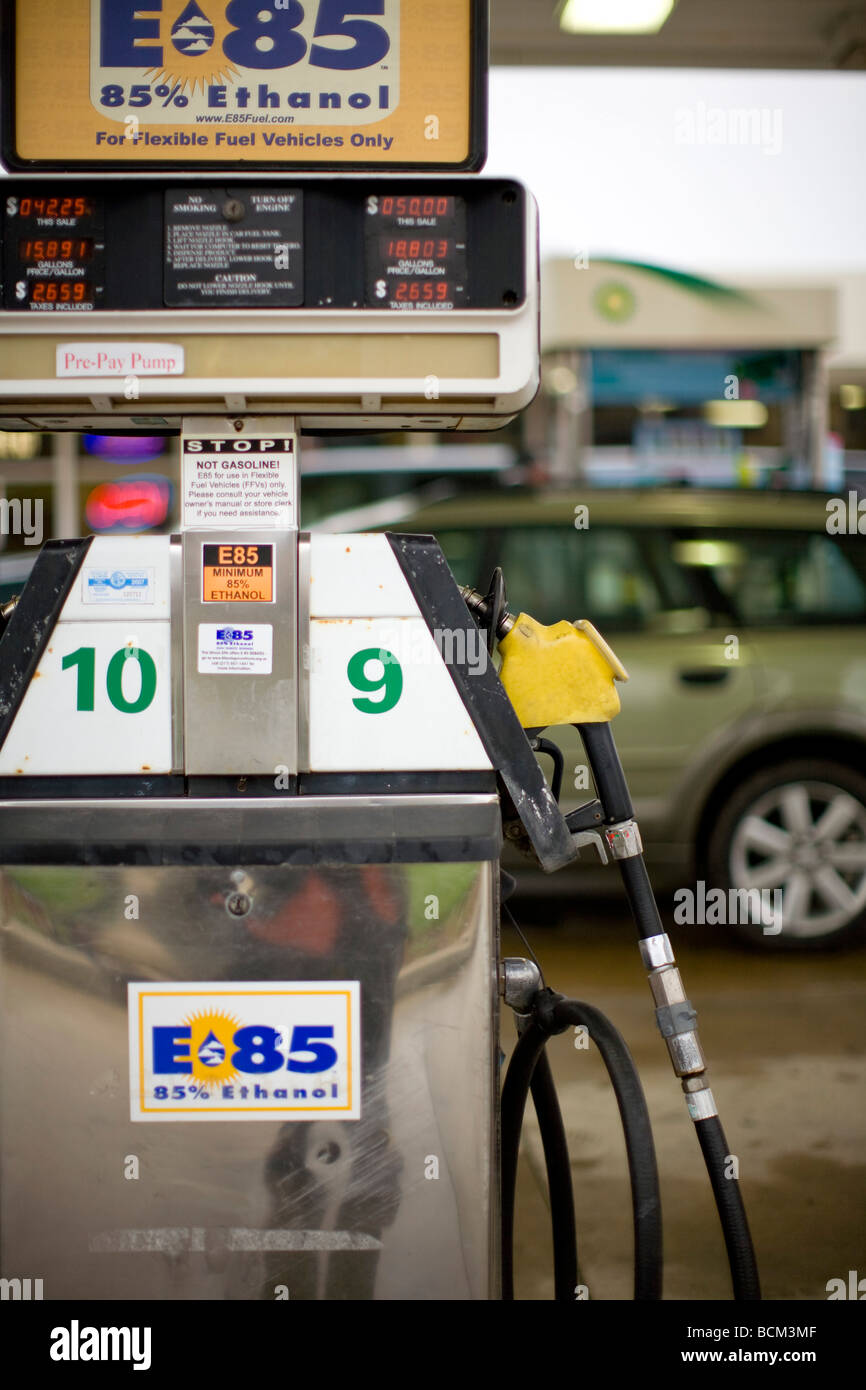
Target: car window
{"points": [[606, 574], [778, 578], [466, 553]]}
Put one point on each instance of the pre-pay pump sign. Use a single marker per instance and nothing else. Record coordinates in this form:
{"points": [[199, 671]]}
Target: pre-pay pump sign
{"points": [[323, 81]]}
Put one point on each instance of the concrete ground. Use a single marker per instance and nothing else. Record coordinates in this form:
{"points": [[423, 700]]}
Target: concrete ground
{"points": [[784, 1036]]}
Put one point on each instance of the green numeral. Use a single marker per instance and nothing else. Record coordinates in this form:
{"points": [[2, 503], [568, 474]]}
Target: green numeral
{"points": [[85, 660], [114, 680], [391, 680]]}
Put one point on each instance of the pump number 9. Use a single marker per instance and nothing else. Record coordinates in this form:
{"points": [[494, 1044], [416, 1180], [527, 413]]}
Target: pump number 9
{"points": [[390, 682]]}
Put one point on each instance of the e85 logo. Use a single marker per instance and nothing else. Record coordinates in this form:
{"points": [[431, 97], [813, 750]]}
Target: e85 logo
{"points": [[262, 1050], [340, 35], [254, 1050]]}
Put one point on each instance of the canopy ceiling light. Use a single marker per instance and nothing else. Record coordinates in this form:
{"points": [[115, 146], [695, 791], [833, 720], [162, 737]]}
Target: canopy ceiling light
{"points": [[736, 415], [614, 16]]}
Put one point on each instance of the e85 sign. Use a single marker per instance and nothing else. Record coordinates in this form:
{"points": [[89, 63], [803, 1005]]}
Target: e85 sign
{"points": [[244, 63], [245, 1050]]}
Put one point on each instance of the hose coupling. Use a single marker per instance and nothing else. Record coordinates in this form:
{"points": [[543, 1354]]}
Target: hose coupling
{"points": [[519, 982], [623, 840]]}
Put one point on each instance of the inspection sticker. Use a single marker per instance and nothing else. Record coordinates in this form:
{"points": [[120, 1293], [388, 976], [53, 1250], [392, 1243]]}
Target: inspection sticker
{"points": [[237, 573], [118, 586], [230, 649], [266, 1050]]}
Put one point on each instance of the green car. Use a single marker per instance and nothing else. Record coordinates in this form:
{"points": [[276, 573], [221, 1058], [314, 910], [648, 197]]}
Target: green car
{"points": [[741, 620]]}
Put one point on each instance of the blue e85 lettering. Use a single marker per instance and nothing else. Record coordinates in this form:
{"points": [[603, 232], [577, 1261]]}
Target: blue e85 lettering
{"points": [[256, 1053], [128, 29]]}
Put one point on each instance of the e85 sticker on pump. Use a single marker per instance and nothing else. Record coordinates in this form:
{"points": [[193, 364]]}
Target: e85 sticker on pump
{"points": [[181, 61], [245, 1050]]}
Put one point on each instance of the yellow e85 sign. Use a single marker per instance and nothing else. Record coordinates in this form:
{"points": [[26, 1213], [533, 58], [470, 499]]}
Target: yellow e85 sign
{"points": [[294, 82]]}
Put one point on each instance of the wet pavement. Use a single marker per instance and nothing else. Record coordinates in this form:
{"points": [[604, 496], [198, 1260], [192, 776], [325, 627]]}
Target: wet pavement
{"points": [[784, 1036]]}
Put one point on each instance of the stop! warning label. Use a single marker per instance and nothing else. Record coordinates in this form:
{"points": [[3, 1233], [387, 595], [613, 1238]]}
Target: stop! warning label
{"points": [[237, 573]]}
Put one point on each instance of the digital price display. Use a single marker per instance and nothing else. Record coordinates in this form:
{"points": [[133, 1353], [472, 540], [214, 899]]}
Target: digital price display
{"points": [[40, 249], [51, 208], [339, 300], [54, 247], [416, 252]]}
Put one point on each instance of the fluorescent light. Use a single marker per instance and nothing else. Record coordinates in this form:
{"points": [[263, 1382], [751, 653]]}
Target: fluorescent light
{"points": [[709, 554], [614, 16], [852, 397], [735, 415], [559, 381]]}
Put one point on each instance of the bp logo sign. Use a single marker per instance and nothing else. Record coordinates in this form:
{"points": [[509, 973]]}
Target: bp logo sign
{"points": [[615, 301]]}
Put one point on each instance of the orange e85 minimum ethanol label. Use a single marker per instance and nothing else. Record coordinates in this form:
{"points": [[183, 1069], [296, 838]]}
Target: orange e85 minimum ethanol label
{"points": [[237, 573]]}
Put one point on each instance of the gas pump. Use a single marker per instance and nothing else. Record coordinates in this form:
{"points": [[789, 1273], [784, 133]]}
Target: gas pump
{"points": [[254, 782], [271, 890]]}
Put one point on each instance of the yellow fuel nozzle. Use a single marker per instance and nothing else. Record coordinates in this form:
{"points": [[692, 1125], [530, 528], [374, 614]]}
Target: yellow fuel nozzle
{"points": [[562, 674]]}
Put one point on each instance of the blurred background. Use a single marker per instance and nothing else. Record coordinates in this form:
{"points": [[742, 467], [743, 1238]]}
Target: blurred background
{"points": [[692, 479]]}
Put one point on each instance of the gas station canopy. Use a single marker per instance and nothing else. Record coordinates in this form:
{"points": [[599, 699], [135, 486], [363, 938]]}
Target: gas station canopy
{"points": [[796, 34]]}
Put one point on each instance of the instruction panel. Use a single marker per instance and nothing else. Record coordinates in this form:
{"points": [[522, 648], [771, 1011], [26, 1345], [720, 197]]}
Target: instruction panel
{"points": [[240, 482], [239, 249]]}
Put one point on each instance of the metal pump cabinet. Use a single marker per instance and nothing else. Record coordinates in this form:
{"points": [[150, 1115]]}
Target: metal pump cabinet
{"points": [[249, 927], [399, 1203]]}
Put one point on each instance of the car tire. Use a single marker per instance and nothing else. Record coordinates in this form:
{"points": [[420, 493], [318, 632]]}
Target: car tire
{"points": [[797, 830]]}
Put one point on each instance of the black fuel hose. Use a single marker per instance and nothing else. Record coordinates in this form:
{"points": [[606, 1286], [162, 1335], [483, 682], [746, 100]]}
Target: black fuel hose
{"points": [[732, 1213], [515, 1089], [558, 1165], [614, 795], [553, 1014]]}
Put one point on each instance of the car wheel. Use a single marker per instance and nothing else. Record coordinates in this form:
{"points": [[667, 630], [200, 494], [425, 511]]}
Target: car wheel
{"points": [[797, 833]]}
